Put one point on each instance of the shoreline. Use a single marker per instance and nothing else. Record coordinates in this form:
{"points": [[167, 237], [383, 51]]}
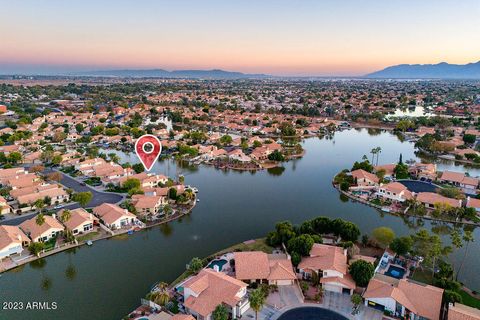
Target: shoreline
{"points": [[399, 214], [60, 249]]}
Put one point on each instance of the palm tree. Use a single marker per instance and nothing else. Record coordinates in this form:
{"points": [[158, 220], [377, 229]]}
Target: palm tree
{"points": [[189, 194], [66, 215], [467, 238], [160, 296], [373, 152], [378, 151], [40, 219], [39, 204], [257, 300]]}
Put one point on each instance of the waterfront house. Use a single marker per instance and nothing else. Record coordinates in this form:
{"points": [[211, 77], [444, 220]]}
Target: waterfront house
{"points": [[387, 168], [363, 178], [12, 241], [148, 205], [473, 203], [41, 233], [115, 217], [429, 199], [330, 263], [460, 311], [202, 293], [57, 195], [468, 184], [80, 221], [404, 298], [423, 171], [257, 266], [394, 191]]}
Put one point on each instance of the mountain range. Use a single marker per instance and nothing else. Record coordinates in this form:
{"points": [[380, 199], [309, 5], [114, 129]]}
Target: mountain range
{"points": [[441, 70], [161, 73]]}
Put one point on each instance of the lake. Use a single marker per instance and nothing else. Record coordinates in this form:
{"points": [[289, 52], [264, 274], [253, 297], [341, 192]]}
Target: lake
{"points": [[107, 280]]}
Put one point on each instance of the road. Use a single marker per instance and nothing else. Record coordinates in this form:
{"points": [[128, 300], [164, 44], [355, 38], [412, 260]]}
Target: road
{"points": [[69, 182]]}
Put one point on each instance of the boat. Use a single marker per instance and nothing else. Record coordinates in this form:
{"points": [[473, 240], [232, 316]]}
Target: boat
{"points": [[89, 242], [130, 231], [198, 200]]}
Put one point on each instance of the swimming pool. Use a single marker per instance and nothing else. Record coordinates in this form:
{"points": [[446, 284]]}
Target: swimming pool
{"points": [[395, 272], [311, 313], [219, 263]]}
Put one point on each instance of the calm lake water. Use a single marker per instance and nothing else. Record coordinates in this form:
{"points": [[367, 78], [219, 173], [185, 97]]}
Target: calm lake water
{"points": [[107, 280]]}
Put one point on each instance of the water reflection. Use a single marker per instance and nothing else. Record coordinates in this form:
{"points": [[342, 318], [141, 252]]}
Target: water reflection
{"points": [[276, 171]]}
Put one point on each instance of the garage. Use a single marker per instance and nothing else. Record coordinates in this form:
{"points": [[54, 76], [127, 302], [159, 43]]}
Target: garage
{"points": [[282, 282], [332, 287], [376, 305]]}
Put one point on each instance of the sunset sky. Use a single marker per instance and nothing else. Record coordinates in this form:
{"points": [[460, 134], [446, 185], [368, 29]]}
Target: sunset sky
{"points": [[295, 37]]}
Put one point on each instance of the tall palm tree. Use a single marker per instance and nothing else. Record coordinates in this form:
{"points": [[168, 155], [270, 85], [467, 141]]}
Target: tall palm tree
{"points": [[40, 219], [378, 151], [257, 300], [373, 152]]}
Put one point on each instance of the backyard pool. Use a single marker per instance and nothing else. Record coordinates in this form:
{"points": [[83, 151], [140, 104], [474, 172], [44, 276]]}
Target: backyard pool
{"points": [[219, 263], [395, 272], [311, 313]]}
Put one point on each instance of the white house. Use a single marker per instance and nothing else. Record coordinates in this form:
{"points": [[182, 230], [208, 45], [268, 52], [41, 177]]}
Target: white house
{"points": [[12, 241]]}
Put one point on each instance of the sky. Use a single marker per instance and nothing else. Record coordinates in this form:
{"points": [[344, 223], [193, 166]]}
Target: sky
{"points": [[278, 37]]}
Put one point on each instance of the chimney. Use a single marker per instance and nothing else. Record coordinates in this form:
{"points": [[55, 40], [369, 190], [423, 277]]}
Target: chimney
{"points": [[91, 216], [54, 216]]}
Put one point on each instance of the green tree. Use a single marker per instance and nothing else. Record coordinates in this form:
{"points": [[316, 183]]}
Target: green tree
{"points": [[195, 265], [226, 140], [301, 244], [83, 198], [356, 300], [257, 299], [40, 219], [361, 272], [131, 183], [161, 295], [66, 215], [36, 247], [220, 313], [138, 167], [276, 156], [401, 245], [383, 235]]}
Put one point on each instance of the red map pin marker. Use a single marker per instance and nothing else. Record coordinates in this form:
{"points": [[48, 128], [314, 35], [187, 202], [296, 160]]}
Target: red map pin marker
{"points": [[148, 149]]}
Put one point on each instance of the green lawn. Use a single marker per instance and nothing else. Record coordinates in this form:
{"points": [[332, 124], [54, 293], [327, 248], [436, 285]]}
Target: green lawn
{"points": [[469, 300], [88, 236], [423, 276]]}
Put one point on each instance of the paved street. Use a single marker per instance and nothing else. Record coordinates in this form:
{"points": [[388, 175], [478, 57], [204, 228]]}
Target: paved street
{"points": [[69, 182]]}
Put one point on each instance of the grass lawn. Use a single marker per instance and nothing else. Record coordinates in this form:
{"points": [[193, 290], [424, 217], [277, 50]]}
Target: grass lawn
{"points": [[469, 300], [88, 236], [423, 276]]}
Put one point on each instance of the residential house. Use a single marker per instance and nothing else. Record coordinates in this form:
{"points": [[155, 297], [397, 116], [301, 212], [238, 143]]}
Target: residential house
{"points": [[330, 263], [423, 171], [387, 168], [49, 229], [468, 184], [4, 206], [257, 266], [204, 292], [473, 203], [115, 217], [460, 311], [148, 205], [404, 298], [394, 191], [363, 178], [429, 199], [80, 221], [12, 240]]}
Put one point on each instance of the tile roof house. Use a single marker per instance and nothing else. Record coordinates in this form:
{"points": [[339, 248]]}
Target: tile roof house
{"points": [[204, 292], [257, 266], [404, 298], [473, 203], [180, 316], [364, 178], [468, 184], [429, 199], [12, 240], [57, 195], [388, 168], [4, 206], [394, 191], [148, 205], [115, 217], [80, 221], [330, 263], [423, 170], [41, 233], [462, 312]]}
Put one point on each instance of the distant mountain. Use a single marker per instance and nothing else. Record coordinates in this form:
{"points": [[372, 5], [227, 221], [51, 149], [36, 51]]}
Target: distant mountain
{"points": [[160, 73], [437, 71]]}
